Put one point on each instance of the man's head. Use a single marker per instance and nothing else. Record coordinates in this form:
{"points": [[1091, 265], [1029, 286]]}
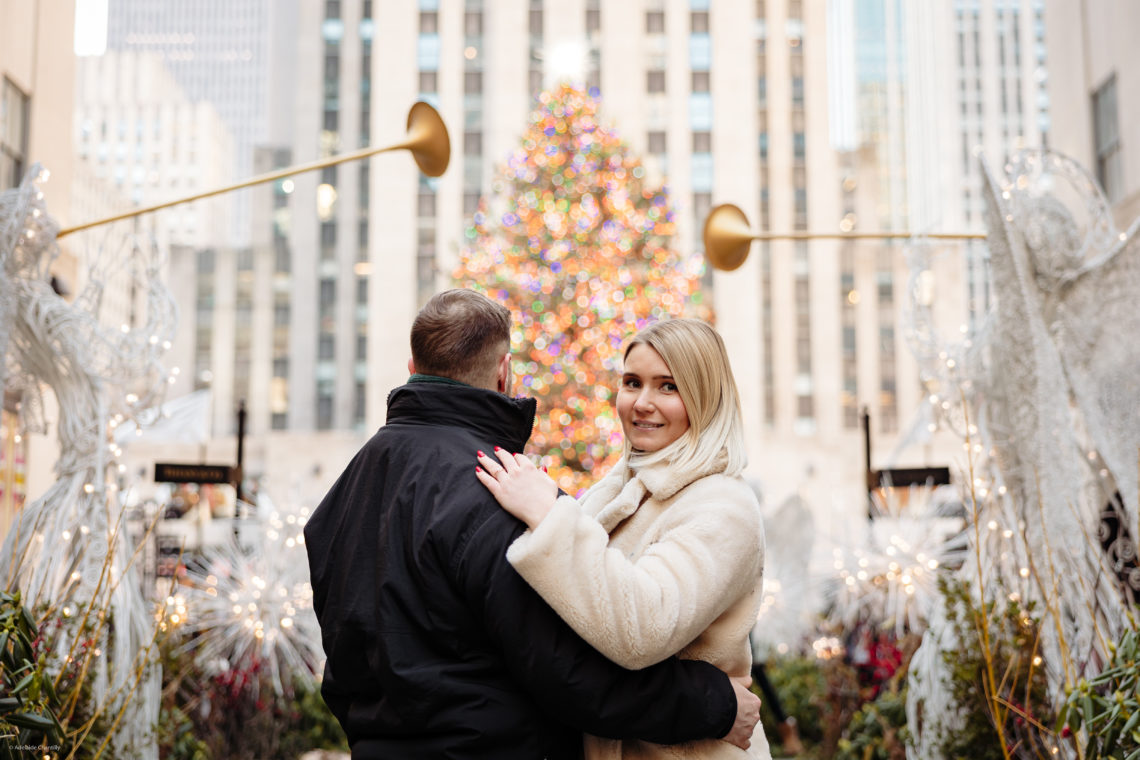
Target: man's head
{"points": [[465, 336]]}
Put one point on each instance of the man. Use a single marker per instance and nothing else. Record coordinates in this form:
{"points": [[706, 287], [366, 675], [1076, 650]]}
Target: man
{"points": [[436, 647]]}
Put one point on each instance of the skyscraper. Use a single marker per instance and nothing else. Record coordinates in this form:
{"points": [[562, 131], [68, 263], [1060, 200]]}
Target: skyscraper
{"points": [[221, 51]]}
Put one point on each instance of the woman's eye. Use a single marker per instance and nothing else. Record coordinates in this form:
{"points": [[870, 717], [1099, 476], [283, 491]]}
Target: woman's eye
{"points": [[629, 382], [671, 387]]}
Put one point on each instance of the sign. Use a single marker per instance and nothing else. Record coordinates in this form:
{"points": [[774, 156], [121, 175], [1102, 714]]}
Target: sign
{"points": [[166, 472], [901, 477]]}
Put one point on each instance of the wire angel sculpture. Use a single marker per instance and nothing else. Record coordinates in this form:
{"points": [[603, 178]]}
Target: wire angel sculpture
{"points": [[1052, 394], [66, 547]]}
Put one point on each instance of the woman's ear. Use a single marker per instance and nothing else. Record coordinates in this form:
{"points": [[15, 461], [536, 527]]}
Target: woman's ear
{"points": [[411, 366]]}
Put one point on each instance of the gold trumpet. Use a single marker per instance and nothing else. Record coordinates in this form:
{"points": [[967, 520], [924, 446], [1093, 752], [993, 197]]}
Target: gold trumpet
{"points": [[426, 139], [728, 236]]}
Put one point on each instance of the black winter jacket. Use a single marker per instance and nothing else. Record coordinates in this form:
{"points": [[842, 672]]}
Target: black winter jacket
{"points": [[436, 647]]}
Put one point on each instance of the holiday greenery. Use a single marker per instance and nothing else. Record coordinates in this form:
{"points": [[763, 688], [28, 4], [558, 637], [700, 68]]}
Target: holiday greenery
{"points": [[578, 247]]}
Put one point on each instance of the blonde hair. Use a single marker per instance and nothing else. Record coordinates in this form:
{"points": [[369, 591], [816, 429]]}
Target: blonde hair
{"points": [[698, 361]]}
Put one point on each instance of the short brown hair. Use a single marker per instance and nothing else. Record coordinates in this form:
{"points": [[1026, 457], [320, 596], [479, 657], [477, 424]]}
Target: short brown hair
{"points": [[462, 335]]}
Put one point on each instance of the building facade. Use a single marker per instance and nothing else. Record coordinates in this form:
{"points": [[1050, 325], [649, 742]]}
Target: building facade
{"points": [[726, 104], [221, 51], [1095, 78], [36, 85], [856, 115]]}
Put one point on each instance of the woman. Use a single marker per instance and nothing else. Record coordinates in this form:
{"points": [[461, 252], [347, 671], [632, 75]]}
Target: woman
{"points": [[664, 555]]}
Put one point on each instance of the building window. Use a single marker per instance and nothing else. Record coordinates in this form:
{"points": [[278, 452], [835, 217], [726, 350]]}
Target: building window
{"points": [[325, 347], [655, 81], [1106, 133], [327, 293], [801, 215], [699, 22], [429, 82], [657, 142], [470, 202], [702, 204], [14, 110], [282, 259], [593, 20], [655, 22], [359, 405], [700, 81], [702, 142], [473, 143], [425, 265], [328, 240], [206, 261], [324, 412], [473, 23], [534, 22], [425, 203], [473, 82]]}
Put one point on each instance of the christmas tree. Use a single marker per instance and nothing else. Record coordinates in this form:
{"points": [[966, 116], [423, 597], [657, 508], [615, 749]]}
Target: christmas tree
{"points": [[578, 248]]}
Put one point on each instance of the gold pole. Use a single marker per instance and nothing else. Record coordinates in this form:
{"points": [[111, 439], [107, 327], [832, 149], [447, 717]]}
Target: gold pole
{"points": [[427, 139], [868, 235], [728, 237]]}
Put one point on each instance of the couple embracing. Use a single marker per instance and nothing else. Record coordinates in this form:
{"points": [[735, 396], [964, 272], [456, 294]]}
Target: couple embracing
{"points": [[468, 609]]}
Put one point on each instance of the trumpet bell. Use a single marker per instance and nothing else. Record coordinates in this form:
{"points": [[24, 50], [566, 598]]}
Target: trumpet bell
{"points": [[727, 237], [428, 140]]}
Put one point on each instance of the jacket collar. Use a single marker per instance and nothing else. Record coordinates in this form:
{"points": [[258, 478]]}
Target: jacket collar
{"points": [[660, 481], [505, 421]]}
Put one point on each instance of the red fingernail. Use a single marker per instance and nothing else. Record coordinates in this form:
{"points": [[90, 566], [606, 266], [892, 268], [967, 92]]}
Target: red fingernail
{"points": [[478, 469], [480, 454], [544, 468], [497, 449]]}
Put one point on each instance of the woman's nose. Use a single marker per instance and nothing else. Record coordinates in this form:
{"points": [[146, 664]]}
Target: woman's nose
{"points": [[643, 400]]}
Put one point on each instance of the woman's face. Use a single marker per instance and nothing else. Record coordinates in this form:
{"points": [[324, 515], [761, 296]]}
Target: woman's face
{"points": [[648, 402]]}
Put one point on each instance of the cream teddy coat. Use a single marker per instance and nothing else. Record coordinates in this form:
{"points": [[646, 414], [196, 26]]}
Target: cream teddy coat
{"points": [[650, 563]]}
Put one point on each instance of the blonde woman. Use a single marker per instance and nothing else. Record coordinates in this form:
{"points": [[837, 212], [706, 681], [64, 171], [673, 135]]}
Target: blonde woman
{"points": [[664, 556]]}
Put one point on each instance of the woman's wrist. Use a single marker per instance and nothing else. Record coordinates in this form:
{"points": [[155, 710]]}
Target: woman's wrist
{"points": [[536, 514]]}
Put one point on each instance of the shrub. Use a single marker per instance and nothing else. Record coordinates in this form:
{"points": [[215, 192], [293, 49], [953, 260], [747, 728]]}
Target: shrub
{"points": [[1107, 707], [1020, 708]]}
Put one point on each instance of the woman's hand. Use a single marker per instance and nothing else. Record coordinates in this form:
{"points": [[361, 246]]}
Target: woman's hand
{"points": [[520, 488]]}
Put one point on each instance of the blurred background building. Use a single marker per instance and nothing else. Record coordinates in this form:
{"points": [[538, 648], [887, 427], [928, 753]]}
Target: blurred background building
{"points": [[37, 83], [849, 115]]}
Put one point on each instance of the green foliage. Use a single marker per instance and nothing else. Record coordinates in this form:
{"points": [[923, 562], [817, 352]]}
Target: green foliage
{"points": [[30, 706], [821, 695], [176, 738], [237, 714], [878, 730], [1107, 707], [1022, 709], [46, 705]]}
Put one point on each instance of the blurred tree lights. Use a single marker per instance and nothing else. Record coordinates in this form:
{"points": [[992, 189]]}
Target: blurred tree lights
{"points": [[579, 249]]}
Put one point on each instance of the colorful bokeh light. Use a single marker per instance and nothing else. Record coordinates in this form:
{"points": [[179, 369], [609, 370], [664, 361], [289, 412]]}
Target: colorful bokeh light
{"points": [[579, 249]]}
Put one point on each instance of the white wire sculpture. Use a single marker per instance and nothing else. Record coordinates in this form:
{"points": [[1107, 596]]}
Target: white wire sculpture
{"points": [[1047, 396], [66, 546]]}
